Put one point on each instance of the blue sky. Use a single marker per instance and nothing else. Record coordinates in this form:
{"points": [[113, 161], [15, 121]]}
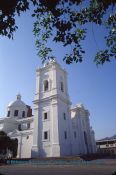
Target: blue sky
{"points": [[92, 86]]}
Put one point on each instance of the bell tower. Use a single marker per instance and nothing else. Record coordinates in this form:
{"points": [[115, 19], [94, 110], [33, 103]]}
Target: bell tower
{"points": [[51, 112]]}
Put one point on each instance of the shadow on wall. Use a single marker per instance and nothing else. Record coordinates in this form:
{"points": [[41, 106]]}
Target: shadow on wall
{"points": [[114, 173]]}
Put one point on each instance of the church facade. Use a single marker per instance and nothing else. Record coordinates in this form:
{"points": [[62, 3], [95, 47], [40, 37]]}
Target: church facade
{"points": [[56, 129]]}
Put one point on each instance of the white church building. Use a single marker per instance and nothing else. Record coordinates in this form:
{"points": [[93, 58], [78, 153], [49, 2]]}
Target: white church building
{"points": [[55, 129]]}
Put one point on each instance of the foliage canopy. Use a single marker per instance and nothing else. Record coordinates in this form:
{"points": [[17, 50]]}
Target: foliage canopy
{"points": [[64, 21], [8, 144]]}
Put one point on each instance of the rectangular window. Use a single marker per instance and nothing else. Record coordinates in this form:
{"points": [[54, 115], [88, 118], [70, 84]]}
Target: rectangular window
{"points": [[8, 114], [23, 114], [75, 134], [46, 135], [64, 114], [65, 134], [19, 127], [45, 116], [16, 113], [28, 125], [62, 87], [46, 85]]}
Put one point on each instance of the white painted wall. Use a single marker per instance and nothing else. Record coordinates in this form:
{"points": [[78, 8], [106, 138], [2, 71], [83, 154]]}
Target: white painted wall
{"points": [[55, 103], [81, 122]]}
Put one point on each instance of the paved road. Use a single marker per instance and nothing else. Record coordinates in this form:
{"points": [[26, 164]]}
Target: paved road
{"points": [[108, 168]]}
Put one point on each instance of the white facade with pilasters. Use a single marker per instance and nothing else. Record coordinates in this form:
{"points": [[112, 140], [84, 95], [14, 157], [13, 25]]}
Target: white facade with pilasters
{"points": [[51, 103], [59, 130], [56, 129]]}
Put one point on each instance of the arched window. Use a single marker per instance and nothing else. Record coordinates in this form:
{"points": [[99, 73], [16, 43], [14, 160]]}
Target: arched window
{"points": [[16, 113], [23, 114], [65, 134], [85, 137], [46, 85], [86, 142], [61, 86], [64, 114], [8, 114]]}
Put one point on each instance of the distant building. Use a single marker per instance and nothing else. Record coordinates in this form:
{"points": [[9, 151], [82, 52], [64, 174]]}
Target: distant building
{"points": [[107, 145], [56, 129]]}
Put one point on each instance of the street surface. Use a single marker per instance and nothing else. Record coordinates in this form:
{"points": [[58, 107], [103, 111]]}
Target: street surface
{"points": [[108, 167]]}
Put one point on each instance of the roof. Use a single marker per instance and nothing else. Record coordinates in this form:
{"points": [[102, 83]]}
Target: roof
{"points": [[17, 102], [108, 138]]}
